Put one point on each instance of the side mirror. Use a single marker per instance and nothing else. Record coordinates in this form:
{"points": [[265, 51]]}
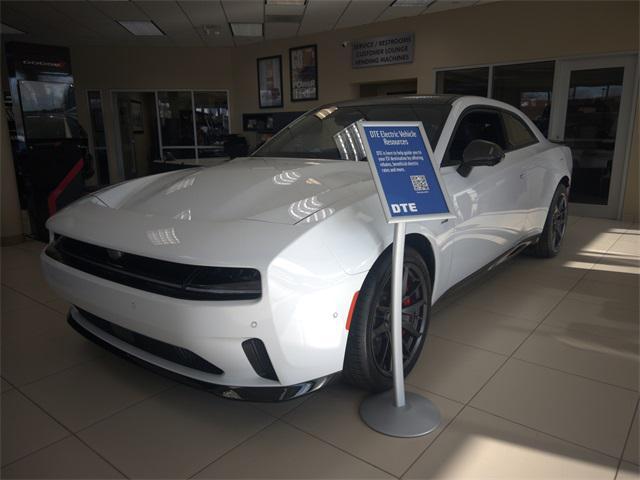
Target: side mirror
{"points": [[480, 153]]}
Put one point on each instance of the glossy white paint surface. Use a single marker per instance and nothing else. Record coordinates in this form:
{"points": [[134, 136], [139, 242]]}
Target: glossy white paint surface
{"points": [[313, 228]]}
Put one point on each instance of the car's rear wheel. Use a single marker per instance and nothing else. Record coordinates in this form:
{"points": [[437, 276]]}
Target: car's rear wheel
{"points": [[555, 226], [368, 356]]}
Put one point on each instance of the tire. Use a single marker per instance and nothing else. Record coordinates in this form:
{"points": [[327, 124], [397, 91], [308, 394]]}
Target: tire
{"points": [[366, 364], [555, 226]]}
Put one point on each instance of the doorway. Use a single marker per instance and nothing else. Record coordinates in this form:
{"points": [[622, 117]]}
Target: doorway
{"points": [[138, 132], [591, 114]]}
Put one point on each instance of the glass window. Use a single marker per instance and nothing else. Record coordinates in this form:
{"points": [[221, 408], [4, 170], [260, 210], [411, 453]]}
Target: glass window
{"points": [[170, 154], [212, 117], [176, 118], [329, 133], [98, 136], [526, 86], [97, 123], [476, 125], [467, 81], [590, 131], [518, 134]]}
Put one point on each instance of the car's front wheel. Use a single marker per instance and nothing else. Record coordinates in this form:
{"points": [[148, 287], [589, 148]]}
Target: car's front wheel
{"points": [[368, 356]]}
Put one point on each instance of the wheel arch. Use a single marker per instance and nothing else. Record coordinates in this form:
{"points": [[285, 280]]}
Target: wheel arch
{"points": [[424, 248]]}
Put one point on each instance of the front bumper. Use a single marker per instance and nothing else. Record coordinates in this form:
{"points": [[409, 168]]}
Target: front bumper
{"points": [[254, 394]]}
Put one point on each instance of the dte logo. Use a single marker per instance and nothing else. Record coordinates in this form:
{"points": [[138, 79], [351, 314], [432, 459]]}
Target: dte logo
{"points": [[404, 208]]}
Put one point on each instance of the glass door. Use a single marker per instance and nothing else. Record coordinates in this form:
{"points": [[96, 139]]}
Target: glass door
{"points": [[591, 114]]}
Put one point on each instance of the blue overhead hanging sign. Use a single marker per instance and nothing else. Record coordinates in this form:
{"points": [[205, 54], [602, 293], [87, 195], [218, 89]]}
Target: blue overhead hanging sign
{"points": [[407, 179]]}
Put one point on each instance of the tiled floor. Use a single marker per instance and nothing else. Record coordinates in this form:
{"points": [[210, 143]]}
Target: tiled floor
{"points": [[535, 369]]}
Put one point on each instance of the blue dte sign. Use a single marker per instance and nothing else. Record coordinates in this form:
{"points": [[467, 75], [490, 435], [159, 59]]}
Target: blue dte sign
{"points": [[401, 161]]}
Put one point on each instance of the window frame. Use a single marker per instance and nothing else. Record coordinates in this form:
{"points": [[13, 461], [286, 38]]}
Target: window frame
{"points": [[513, 148], [446, 162]]}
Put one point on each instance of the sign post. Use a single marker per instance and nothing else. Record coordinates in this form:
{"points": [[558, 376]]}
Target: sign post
{"points": [[410, 189]]}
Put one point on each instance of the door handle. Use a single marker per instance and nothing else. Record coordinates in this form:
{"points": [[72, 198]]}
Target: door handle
{"points": [[523, 175]]}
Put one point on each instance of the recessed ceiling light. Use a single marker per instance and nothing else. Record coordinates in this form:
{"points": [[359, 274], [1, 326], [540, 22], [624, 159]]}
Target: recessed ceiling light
{"points": [[246, 29], [142, 28], [9, 30], [411, 3], [286, 2]]}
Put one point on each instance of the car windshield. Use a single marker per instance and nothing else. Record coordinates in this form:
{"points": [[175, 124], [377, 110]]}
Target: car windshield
{"points": [[330, 133]]}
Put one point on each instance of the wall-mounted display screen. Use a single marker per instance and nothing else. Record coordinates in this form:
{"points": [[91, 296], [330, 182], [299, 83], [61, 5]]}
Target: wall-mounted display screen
{"points": [[49, 110]]}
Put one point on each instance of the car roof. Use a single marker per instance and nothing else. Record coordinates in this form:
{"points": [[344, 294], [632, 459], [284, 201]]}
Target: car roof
{"points": [[398, 100]]}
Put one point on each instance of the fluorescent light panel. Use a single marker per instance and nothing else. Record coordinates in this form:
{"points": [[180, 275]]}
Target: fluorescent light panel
{"points": [[142, 28], [246, 29], [9, 30], [286, 2]]}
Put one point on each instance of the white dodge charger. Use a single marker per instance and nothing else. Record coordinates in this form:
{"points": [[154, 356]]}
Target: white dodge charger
{"points": [[264, 277]]}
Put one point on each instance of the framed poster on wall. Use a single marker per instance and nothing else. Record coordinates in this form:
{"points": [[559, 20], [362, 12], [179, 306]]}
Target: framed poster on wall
{"points": [[303, 69], [270, 81]]}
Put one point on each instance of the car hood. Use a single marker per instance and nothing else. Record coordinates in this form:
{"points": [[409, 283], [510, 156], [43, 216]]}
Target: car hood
{"points": [[272, 190]]}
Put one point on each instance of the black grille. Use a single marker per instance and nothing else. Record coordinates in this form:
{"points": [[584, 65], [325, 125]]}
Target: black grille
{"points": [[172, 279], [169, 352], [259, 359]]}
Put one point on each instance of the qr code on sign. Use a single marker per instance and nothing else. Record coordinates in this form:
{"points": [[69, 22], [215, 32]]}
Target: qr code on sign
{"points": [[419, 183]]}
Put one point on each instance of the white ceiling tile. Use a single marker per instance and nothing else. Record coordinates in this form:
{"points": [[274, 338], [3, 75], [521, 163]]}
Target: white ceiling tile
{"points": [[209, 13], [440, 5], [120, 10], [401, 12], [244, 11], [321, 15], [280, 30], [360, 12], [94, 19], [284, 9]]}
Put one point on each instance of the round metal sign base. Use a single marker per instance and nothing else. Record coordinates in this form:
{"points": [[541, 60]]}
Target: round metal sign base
{"points": [[418, 417]]}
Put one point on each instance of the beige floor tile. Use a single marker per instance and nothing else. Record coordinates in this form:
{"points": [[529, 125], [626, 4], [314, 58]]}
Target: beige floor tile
{"points": [[628, 471], [606, 319], [25, 428], [60, 306], [627, 244], [12, 300], [68, 458], [572, 408], [26, 359], [30, 321], [29, 282], [479, 328], [174, 434], [5, 385], [279, 409], [532, 304], [591, 291], [481, 446], [15, 258], [620, 269], [32, 246], [333, 415], [281, 451], [632, 450], [89, 392], [610, 360], [453, 370]]}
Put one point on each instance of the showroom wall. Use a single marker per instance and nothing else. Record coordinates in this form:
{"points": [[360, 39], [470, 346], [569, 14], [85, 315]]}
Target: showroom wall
{"points": [[144, 68], [490, 33]]}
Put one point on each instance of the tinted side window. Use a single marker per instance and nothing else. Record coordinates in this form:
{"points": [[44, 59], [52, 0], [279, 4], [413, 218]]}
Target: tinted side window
{"points": [[479, 124], [518, 134]]}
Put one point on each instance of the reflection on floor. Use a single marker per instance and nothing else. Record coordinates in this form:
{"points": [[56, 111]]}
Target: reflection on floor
{"points": [[535, 369]]}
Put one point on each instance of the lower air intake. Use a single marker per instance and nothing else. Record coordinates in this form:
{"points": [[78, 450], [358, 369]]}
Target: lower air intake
{"points": [[259, 359]]}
